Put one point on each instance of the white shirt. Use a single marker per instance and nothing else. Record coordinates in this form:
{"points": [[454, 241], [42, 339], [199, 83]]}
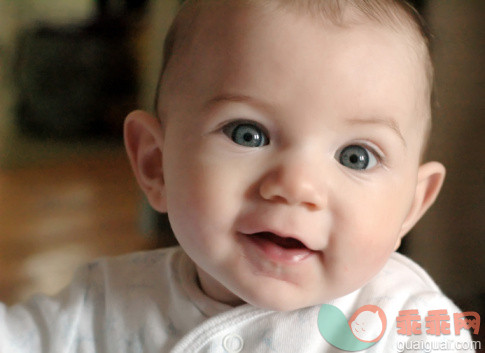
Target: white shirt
{"points": [[150, 302]]}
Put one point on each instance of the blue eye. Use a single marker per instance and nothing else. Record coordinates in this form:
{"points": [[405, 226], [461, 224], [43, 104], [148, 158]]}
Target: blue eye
{"points": [[357, 157], [246, 134]]}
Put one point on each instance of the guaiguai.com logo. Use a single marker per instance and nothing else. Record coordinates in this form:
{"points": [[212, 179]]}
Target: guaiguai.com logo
{"points": [[364, 329]]}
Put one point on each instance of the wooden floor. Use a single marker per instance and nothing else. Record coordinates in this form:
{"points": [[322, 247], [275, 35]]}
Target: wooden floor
{"points": [[55, 218]]}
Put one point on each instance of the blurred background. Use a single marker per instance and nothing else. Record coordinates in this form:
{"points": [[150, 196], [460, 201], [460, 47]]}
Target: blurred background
{"points": [[70, 70]]}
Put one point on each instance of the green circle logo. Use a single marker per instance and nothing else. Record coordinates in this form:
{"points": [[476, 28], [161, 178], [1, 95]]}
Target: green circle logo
{"points": [[364, 329]]}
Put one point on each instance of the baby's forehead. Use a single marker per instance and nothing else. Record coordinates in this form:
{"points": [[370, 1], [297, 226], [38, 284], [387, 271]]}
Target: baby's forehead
{"points": [[196, 15], [200, 18], [387, 15]]}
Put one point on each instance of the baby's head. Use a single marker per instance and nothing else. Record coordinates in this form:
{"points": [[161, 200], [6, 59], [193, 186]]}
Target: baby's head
{"points": [[287, 154]]}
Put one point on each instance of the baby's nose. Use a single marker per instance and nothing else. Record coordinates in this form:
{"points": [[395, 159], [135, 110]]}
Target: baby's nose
{"points": [[294, 184]]}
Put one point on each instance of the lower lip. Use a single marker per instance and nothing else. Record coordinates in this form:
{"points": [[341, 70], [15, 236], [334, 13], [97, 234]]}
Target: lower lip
{"points": [[279, 254]]}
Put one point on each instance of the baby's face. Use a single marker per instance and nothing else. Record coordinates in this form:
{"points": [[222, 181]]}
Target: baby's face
{"points": [[291, 154]]}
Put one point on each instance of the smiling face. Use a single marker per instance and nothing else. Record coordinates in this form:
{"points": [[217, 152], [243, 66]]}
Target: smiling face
{"points": [[290, 153]]}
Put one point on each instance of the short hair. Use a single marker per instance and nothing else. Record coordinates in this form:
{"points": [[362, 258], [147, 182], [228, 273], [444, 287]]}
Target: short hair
{"points": [[397, 14]]}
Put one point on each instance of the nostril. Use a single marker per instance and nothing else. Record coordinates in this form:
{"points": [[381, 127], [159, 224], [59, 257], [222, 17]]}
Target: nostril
{"points": [[277, 199], [313, 206]]}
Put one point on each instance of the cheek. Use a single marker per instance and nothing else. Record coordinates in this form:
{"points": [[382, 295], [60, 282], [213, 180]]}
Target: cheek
{"points": [[203, 197], [369, 228]]}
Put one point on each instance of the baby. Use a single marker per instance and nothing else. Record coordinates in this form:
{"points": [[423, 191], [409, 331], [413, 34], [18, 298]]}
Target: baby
{"points": [[287, 153]]}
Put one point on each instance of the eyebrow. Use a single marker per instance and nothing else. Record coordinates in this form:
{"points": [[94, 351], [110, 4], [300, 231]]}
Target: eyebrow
{"points": [[231, 98], [236, 98], [386, 122]]}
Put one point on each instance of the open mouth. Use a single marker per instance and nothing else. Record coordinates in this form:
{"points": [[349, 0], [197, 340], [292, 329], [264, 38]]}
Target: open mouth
{"points": [[280, 249], [284, 242]]}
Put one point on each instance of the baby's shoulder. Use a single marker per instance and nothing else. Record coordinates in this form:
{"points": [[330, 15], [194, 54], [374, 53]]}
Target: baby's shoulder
{"points": [[132, 267]]}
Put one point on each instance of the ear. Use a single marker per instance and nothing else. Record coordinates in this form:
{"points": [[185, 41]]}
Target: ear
{"points": [[143, 136], [430, 179]]}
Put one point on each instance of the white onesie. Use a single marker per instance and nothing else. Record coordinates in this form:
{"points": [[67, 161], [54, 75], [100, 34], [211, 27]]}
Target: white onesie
{"points": [[150, 302]]}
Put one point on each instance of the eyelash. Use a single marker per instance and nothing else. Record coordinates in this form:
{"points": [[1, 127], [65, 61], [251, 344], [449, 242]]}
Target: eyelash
{"points": [[372, 156], [381, 157], [371, 147], [229, 129]]}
